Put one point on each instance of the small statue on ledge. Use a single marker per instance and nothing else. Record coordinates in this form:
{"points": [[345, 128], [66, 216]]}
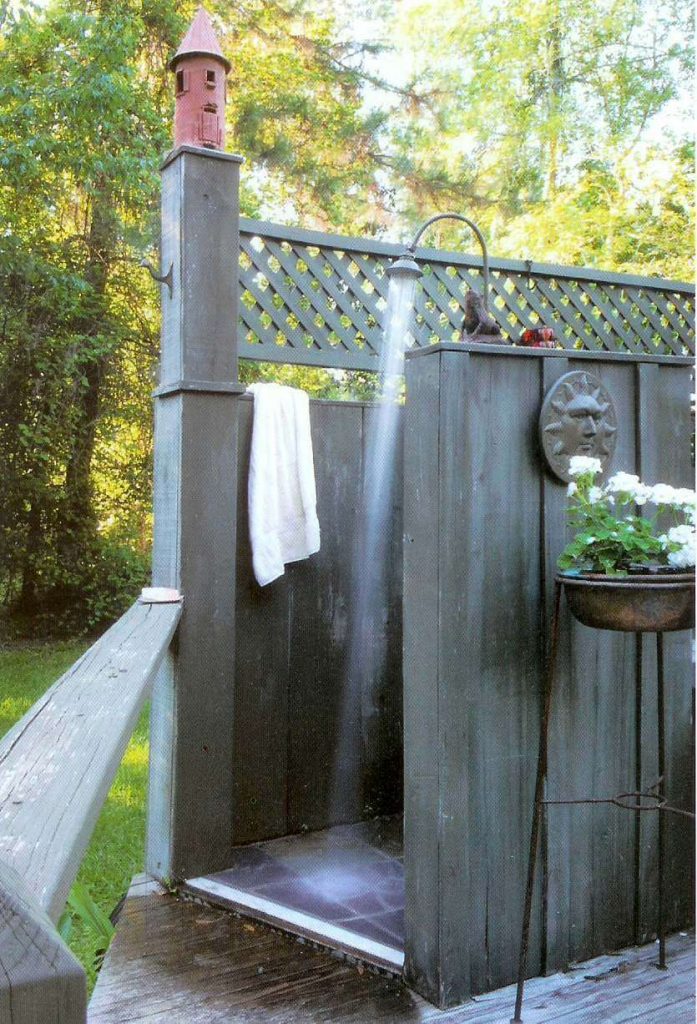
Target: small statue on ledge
{"points": [[479, 325]]}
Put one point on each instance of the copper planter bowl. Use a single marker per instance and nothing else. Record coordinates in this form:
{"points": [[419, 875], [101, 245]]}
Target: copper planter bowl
{"points": [[651, 603]]}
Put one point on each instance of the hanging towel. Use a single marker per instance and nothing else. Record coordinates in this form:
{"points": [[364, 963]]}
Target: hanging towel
{"points": [[283, 523]]}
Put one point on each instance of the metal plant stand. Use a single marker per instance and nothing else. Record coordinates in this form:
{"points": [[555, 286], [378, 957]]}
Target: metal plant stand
{"points": [[651, 799]]}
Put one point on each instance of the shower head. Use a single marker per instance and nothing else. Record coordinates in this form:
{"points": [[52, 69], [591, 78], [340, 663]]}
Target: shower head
{"points": [[404, 266]]}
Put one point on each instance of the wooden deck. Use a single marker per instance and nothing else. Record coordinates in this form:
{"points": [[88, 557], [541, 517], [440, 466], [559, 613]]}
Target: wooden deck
{"points": [[178, 962]]}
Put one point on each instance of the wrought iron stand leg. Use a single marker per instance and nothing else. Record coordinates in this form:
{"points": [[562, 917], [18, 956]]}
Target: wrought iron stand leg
{"points": [[661, 790], [537, 811]]}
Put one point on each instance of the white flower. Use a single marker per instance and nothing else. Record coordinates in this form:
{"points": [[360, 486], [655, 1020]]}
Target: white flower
{"points": [[571, 490], [662, 494], [626, 483], [579, 464], [684, 534], [629, 484], [685, 497], [684, 558], [589, 540], [595, 495]]}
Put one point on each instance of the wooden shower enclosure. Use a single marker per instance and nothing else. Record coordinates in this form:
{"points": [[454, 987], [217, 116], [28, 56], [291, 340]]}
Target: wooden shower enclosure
{"points": [[248, 706]]}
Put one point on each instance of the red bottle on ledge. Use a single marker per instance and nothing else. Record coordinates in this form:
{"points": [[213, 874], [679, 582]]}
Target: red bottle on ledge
{"points": [[539, 337]]}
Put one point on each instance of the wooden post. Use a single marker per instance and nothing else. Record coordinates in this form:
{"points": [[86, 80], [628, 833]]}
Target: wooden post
{"points": [[190, 798]]}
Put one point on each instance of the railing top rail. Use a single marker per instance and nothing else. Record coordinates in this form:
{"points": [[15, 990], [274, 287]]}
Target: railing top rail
{"points": [[348, 243], [58, 762]]}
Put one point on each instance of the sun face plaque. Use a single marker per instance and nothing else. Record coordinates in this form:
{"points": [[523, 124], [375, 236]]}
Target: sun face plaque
{"points": [[577, 418]]}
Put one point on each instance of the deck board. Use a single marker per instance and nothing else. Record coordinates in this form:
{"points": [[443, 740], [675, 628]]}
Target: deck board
{"points": [[185, 963]]}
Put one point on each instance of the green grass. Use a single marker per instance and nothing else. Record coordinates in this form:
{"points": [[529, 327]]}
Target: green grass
{"points": [[115, 852]]}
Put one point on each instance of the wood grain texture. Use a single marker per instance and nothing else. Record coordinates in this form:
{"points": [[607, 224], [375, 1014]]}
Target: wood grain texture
{"points": [[291, 667], [556, 865], [490, 567], [420, 666], [58, 762], [41, 982], [648, 406], [200, 234], [259, 769], [195, 506], [664, 429], [480, 555], [591, 893], [325, 715], [186, 963]]}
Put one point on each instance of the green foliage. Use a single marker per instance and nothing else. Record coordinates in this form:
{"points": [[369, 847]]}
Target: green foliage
{"points": [[558, 125], [26, 670], [81, 597], [555, 123], [612, 539], [95, 922], [357, 385]]}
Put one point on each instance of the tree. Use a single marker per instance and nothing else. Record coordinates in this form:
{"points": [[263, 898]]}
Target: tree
{"points": [[85, 113], [531, 108], [545, 120]]}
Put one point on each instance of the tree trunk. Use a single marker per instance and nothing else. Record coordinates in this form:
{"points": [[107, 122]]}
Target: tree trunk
{"points": [[90, 370], [555, 69]]}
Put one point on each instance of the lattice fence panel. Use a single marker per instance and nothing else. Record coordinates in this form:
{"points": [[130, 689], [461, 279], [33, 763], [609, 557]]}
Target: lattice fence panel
{"points": [[314, 299]]}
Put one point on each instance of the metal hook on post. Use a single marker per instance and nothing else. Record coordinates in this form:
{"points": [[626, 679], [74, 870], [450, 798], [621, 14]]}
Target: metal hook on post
{"points": [[167, 278]]}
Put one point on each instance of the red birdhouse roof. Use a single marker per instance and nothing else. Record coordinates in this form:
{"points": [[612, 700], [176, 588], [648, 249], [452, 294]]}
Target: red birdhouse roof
{"points": [[200, 40]]}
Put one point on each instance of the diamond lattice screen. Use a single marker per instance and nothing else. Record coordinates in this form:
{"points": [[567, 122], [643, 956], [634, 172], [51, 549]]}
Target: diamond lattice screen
{"points": [[321, 300]]}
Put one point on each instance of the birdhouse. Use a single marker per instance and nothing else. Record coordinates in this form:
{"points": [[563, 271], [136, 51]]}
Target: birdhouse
{"points": [[200, 74]]}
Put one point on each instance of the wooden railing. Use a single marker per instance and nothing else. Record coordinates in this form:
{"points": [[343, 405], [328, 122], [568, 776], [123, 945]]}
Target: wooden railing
{"points": [[56, 767]]}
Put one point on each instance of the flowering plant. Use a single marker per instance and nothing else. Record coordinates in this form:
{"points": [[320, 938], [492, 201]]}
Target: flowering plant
{"points": [[611, 537]]}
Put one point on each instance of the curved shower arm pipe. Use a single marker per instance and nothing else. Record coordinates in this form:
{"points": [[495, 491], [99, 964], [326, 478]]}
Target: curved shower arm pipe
{"points": [[480, 239]]}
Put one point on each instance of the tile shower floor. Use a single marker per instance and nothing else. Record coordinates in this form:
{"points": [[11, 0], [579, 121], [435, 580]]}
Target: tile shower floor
{"points": [[343, 887]]}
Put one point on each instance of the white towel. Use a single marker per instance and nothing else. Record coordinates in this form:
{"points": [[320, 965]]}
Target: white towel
{"points": [[283, 523]]}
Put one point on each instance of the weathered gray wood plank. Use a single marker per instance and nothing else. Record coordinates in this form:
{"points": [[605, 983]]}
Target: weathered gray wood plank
{"points": [[481, 550], [488, 476], [555, 864], [674, 427], [490, 652], [664, 429], [41, 982], [259, 769], [186, 963], [381, 697], [420, 647], [325, 787], [58, 762], [647, 417], [292, 660], [592, 752]]}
